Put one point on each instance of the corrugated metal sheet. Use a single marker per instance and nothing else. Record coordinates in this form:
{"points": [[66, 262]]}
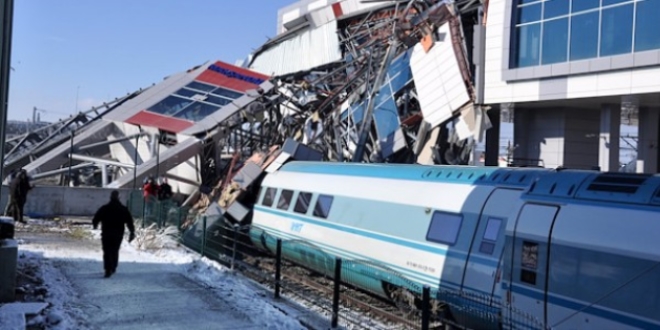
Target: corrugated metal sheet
{"points": [[438, 79], [309, 49]]}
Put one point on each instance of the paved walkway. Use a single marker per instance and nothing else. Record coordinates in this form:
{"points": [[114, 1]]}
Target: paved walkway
{"points": [[143, 294]]}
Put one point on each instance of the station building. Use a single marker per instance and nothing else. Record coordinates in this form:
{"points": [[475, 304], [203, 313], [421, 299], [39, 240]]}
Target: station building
{"points": [[566, 68]]}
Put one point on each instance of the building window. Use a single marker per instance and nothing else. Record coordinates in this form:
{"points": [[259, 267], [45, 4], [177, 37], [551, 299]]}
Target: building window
{"points": [[285, 200], [556, 31], [302, 203], [323, 205], [269, 197], [444, 228]]}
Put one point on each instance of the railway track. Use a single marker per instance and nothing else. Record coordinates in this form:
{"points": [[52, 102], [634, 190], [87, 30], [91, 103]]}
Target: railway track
{"points": [[358, 308]]}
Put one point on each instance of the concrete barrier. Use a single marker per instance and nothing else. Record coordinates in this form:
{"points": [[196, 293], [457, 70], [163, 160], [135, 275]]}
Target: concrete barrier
{"points": [[53, 201], [9, 261]]}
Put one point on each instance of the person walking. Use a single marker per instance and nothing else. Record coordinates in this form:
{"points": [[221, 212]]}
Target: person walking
{"points": [[113, 217]]}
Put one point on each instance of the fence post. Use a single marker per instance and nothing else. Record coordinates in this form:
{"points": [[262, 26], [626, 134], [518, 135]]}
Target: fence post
{"points": [[144, 211], [203, 235], [335, 295], [426, 307], [278, 267], [233, 247]]}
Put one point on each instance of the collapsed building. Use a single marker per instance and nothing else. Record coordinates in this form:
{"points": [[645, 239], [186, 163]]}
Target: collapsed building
{"points": [[346, 81]]}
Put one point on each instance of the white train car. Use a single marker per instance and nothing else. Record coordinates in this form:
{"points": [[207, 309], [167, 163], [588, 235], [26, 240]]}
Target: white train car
{"points": [[497, 246]]}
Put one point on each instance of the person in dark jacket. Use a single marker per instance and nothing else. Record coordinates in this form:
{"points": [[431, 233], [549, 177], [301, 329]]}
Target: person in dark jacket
{"points": [[18, 191], [113, 217], [165, 190]]}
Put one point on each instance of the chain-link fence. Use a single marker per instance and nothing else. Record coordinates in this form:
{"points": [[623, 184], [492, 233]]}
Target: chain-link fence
{"points": [[349, 293]]}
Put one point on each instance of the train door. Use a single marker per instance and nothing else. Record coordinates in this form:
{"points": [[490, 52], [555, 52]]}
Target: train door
{"points": [[481, 271], [528, 270]]}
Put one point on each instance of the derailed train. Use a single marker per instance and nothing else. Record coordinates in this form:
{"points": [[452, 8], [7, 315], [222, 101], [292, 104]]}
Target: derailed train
{"points": [[567, 249]]}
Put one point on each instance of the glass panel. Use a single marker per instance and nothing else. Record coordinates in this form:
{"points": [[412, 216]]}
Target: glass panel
{"points": [[554, 8], [399, 72], [386, 117], [528, 14], [216, 100], [323, 205], [285, 200], [444, 228], [227, 93], [302, 204], [197, 111], [646, 25], [611, 2], [529, 42], [584, 36], [555, 41], [201, 86], [580, 5], [530, 255], [188, 92], [527, 1], [492, 229], [170, 105], [616, 30], [269, 197]]}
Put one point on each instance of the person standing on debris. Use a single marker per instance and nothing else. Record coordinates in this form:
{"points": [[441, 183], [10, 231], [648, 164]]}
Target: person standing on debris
{"points": [[165, 190], [113, 217]]}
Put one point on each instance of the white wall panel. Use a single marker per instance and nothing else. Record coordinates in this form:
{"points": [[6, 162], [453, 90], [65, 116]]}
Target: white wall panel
{"points": [[308, 50], [438, 80]]}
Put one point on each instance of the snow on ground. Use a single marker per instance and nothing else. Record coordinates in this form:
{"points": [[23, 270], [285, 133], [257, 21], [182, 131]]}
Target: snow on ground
{"points": [[62, 265]]}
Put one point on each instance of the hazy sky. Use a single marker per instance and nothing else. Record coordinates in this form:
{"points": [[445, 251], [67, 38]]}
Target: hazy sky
{"points": [[96, 50]]}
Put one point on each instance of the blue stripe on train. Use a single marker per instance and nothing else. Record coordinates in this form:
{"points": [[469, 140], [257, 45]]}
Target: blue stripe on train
{"points": [[323, 223], [444, 283], [588, 309]]}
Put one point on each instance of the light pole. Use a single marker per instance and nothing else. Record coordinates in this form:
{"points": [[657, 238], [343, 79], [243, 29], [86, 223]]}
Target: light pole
{"points": [[5, 67]]}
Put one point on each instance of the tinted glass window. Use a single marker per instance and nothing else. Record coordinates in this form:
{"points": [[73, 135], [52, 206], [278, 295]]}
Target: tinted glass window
{"points": [[490, 236], [285, 200], [616, 30], [269, 197], [200, 86], [529, 42], [188, 92], [580, 5], [217, 100], [323, 205], [584, 36], [226, 93], [528, 14], [197, 111], [646, 25], [555, 34], [302, 203], [170, 105], [444, 228], [554, 8]]}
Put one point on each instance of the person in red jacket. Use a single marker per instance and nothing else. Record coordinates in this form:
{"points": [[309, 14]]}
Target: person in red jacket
{"points": [[150, 193]]}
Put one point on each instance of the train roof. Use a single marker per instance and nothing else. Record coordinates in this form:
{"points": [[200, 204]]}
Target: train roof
{"points": [[513, 177], [629, 188]]}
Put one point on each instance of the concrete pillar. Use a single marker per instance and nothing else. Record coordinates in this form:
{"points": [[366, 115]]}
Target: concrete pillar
{"points": [[493, 138], [104, 175], [9, 262], [608, 142], [647, 145]]}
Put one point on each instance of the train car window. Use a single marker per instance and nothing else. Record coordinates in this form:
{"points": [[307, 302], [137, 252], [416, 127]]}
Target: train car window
{"points": [[529, 262], [285, 200], [269, 197], [323, 205], [490, 236], [302, 203], [444, 228]]}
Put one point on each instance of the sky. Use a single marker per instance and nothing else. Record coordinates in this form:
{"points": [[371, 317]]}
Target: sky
{"points": [[71, 55]]}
